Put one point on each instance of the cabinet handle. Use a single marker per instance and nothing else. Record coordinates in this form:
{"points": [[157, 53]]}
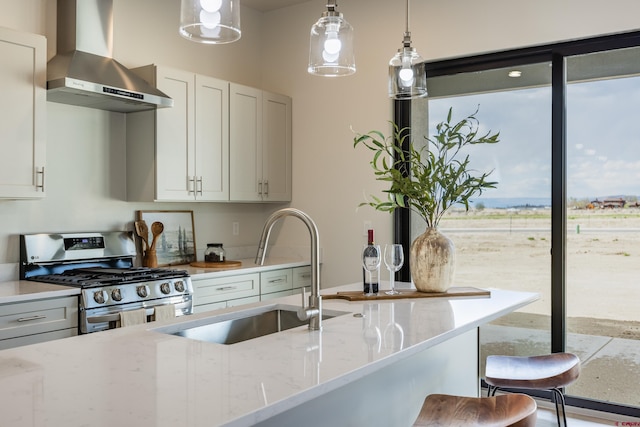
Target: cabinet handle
{"points": [[276, 280], [40, 173], [226, 288], [266, 188], [305, 276], [191, 184], [36, 317], [199, 185], [260, 188]]}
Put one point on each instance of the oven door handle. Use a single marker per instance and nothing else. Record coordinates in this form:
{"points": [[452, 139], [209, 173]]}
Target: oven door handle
{"points": [[113, 317]]}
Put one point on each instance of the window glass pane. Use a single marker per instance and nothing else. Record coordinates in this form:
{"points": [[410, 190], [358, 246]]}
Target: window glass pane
{"points": [[603, 224], [504, 240]]}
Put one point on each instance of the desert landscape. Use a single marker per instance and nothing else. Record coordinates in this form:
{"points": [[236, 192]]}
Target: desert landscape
{"points": [[510, 249], [602, 263]]}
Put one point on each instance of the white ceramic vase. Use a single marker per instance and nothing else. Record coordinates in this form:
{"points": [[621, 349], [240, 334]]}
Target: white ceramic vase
{"points": [[432, 261]]}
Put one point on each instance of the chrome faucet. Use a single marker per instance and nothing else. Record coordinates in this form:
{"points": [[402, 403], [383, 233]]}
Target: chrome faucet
{"points": [[313, 312]]}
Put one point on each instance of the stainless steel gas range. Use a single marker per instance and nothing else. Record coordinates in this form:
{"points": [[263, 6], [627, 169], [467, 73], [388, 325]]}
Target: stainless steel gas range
{"points": [[101, 265]]}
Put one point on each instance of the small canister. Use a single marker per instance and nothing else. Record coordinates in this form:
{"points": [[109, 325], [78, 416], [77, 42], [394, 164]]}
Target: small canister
{"points": [[214, 253]]}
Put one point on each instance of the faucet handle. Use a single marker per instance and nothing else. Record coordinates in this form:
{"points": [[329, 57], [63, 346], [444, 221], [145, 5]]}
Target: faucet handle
{"points": [[305, 312]]}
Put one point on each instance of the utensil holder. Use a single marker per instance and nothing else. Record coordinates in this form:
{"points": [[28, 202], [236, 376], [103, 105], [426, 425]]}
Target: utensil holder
{"points": [[150, 259]]}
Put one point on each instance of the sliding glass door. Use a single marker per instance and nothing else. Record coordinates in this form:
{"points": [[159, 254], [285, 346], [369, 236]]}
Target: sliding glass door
{"points": [[568, 172], [603, 223]]}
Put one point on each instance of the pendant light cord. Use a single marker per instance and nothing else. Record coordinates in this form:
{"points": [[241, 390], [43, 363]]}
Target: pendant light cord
{"points": [[407, 33]]}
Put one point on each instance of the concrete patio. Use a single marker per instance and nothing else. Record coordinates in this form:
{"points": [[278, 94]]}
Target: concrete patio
{"points": [[610, 365]]}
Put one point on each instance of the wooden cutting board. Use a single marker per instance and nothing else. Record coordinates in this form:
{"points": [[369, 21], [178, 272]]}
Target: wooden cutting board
{"points": [[216, 265], [452, 292]]}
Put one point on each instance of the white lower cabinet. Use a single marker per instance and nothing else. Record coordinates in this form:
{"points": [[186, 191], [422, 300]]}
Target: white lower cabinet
{"points": [[38, 321], [284, 282], [217, 293], [231, 291]]}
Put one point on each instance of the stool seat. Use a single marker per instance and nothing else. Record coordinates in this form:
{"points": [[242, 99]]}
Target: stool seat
{"points": [[547, 372], [544, 372], [496, 411]]}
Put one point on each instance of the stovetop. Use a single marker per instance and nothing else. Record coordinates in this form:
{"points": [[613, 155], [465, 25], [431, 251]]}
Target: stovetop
{"points": [[104, 276]]}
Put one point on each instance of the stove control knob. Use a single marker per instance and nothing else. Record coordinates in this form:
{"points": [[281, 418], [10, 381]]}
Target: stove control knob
{"points": [[165, 288], [142, 291], [98, 297], [116, 295], [179, 285]]}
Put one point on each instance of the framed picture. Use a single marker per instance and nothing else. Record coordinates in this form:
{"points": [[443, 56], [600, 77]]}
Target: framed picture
{"points": [[177, 243]]}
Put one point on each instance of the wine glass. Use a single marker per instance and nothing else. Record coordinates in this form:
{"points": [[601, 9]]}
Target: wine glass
{"points": [[393, 259], [371, 259]]}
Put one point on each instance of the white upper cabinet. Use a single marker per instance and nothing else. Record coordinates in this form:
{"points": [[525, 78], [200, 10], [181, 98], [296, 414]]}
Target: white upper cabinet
{"points": [[219, 142], [212, 138], [245, 143], [180, 153], [22, 114], [259, 145], [276, 147]]}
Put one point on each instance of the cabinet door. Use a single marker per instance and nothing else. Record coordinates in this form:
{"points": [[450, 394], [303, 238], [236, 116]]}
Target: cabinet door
{"points": [[22, 114], [276, 147], [245, 143], [212, 139], [175, 143]]}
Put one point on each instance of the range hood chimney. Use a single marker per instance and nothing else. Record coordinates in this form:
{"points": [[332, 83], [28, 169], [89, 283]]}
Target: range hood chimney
{"points": [[84, 72]]}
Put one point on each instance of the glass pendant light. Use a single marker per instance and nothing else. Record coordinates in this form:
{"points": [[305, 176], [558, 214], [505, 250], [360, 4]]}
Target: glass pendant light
{"points": [[331, 45], [407, 71], [210, 21]]}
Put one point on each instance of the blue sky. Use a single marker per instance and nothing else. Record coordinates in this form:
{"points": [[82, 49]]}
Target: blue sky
{"points": [[603, 143]]}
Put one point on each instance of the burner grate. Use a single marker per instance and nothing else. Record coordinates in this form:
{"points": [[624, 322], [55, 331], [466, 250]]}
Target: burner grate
{"points": [[104, 276]]}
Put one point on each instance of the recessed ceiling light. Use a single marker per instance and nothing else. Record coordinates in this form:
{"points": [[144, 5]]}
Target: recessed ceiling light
{"points": [[515, 73]]}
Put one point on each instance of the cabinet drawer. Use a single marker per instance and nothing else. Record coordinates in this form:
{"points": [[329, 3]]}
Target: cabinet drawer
{"points": [[37, 338], [276, 281], [36, 317], [207, 291], [302, 277]]}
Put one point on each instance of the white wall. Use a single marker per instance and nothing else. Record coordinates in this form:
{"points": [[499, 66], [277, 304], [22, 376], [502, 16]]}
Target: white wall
{"points": [[86, 147]]}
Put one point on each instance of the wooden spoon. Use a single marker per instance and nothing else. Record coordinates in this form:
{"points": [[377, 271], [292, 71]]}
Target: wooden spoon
{"points": [[143, 232], [156, 229]]}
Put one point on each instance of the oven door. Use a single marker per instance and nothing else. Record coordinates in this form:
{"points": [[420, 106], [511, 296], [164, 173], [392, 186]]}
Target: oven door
{"points": [[104, 318]]}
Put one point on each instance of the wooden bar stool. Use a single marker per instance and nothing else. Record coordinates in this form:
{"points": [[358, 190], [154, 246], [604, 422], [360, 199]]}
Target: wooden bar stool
{"points": [[496, 411], [547, 372]]}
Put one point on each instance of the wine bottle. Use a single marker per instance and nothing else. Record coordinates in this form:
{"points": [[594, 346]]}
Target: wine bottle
{"points": [[370, 279]]}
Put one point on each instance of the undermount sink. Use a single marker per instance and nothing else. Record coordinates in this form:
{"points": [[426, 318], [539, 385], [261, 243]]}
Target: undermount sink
{"points": [[243, 325]]}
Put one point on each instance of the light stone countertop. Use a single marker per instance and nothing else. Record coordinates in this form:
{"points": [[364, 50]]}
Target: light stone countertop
{"points": [[247, 266], [137, 376], [25, 290]]}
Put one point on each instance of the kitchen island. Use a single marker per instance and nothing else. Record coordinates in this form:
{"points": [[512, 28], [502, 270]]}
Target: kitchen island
{"points": [[372, 364]]}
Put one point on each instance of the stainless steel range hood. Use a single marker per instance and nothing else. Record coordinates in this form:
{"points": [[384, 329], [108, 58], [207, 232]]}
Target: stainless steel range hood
{"points": [[84, 72]]}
